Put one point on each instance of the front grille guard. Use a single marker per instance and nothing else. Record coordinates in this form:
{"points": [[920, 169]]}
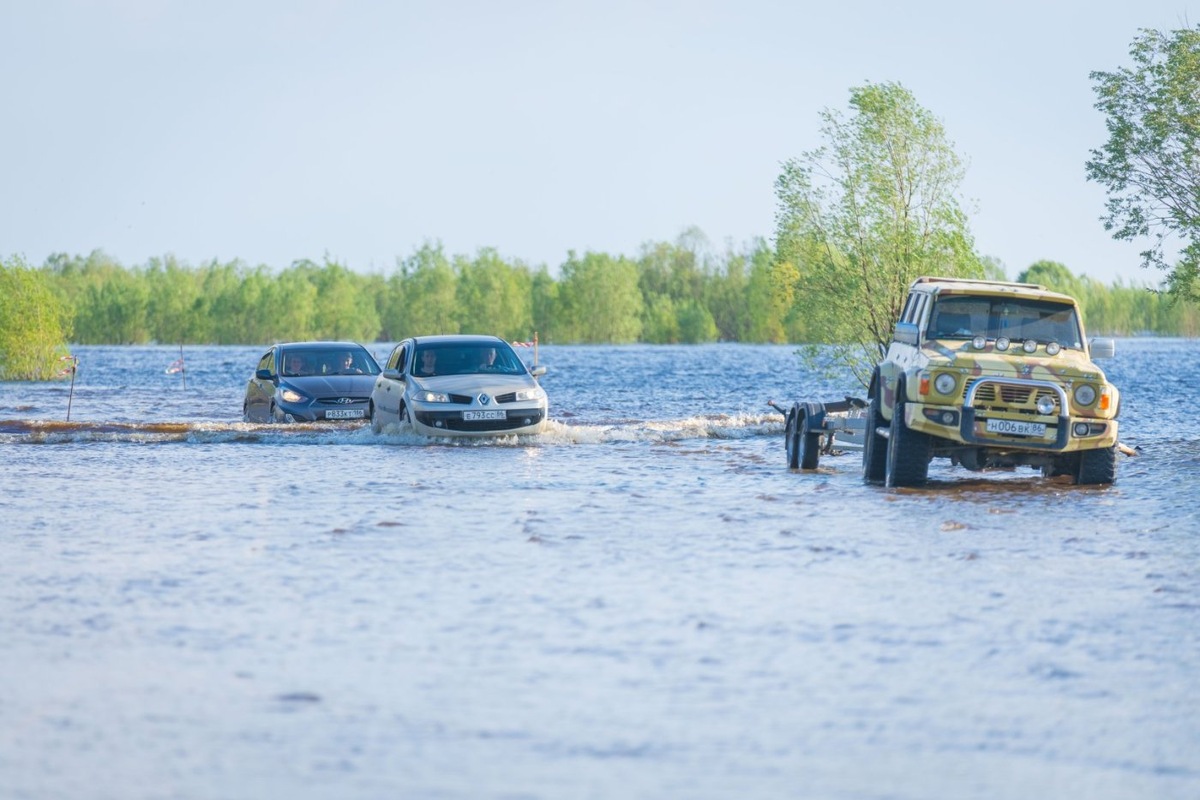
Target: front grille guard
{"points": [[967, 425]]}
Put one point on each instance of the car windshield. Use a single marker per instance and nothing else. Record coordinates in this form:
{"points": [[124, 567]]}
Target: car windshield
{"points": [[466, 359], [330, 361], [962, 317]]}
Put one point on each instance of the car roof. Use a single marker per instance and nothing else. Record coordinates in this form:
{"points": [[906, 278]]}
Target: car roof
{"points": [[457, 338], [322, 345], [937, 285]]}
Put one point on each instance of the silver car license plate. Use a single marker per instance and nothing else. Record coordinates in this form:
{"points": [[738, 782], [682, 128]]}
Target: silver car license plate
{"points": [[475, 416], [345, 413], [1012, 427]]}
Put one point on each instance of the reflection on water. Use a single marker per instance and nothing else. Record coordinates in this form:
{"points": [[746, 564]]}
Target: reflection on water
{"points": [[644, 602]]}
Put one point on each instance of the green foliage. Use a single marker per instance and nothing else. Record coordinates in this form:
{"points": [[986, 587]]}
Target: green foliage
{"points": [[1150, 164], [862, 216], [600, 299], [34, 323], [674, 292]]}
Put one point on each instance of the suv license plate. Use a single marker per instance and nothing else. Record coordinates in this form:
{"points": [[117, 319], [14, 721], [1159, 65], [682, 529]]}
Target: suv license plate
{"points": [[473, 416], [344, 413], [1012, 427]]}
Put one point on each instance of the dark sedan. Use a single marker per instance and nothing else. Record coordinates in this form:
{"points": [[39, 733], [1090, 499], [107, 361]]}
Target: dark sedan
{"points": [[311, 381]]}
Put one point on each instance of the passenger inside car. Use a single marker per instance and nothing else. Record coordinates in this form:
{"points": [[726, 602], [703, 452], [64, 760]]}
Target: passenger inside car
{"points": [[294, 365], [426, 364]]}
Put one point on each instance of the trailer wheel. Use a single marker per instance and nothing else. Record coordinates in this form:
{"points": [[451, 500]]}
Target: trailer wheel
{"points": [[803, 444], [791, 438]]}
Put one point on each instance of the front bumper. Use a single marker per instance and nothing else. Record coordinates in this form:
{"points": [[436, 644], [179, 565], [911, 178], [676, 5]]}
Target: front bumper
{"points": [[1063, 432], [442, 422]]}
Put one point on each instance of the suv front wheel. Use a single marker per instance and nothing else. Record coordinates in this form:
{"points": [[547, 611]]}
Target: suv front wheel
{"points": [[908, 451]]}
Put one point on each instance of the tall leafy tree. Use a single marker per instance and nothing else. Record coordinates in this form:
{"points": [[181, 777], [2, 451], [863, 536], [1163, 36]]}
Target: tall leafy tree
{"points": [[1150, 164], [862, 216], [600, 299], [34, 323]]}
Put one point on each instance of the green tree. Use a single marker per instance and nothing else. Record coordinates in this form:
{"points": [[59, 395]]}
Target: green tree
{"points": [[600, 299], [429, 292], [493, 296], [1150, 165], [34, 323], [862, 216]]}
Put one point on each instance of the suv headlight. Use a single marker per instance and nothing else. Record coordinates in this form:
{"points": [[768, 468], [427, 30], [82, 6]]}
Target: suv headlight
{"points": [[1085, 394], [945, 383], [425, 396]]}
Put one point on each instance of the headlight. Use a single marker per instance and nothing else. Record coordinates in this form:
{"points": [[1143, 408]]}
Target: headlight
{"points": [[1085, 394], [431, 397], [1029, 345], [979, 342], [1045, 404], [1053, 348], [290, 395], [537, 393], [945, 383], [1002, 343]]}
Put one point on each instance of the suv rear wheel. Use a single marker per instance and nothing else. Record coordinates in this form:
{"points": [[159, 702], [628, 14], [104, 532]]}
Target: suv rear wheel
{"points": [[875, 447]]}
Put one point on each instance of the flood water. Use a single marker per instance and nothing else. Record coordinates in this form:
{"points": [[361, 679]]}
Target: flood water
{"points": [[642, 603]]}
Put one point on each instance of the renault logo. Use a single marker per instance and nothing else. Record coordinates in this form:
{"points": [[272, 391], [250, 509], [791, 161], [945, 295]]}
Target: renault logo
{"points": [[484, 399]]}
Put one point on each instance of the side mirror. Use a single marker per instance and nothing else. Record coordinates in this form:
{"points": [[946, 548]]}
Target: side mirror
{"points": [[538, 371], [907, 333], [393, 374], [263, 374], [1102, 348]]}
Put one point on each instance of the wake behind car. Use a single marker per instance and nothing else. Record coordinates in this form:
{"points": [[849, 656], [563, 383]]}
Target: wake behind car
{"points": [[311, 381], [457, 385]]}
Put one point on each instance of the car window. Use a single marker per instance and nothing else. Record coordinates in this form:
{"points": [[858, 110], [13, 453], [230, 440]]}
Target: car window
{"points": [[466, 359], [963, 317], [267, 362]]}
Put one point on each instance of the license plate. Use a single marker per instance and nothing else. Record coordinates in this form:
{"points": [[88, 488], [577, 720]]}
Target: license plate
{"points": [[345, 413], [474, 416], [1012, 427]]}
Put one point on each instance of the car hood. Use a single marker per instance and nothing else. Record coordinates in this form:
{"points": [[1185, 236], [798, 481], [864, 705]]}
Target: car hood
{"points": [[475, 383], [1066, 365], [320, 385]]}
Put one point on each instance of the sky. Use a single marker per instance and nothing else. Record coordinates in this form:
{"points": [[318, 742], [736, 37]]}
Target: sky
{"points": [[282, 130]]}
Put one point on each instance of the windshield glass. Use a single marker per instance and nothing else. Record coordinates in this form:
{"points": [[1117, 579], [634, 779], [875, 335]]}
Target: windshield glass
{"points": [[962, 317], [299, 363], [466, 359]]}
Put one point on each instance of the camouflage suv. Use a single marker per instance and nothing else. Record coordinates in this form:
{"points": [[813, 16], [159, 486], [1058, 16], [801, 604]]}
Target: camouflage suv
{"points": [[990, 374]]}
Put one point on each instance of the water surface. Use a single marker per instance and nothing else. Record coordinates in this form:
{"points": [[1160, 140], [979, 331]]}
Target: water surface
{"points": [[642, 603]]}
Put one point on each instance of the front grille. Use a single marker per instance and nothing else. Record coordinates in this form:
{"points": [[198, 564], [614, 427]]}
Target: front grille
{"points": [[511, 397], [1013, 397], [338, 401], [461, 399]]}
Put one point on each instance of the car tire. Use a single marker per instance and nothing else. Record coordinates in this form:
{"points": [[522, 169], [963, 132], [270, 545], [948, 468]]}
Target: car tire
{"points": [[874, 446], [1097, 467], [376, 425], [908, 451]]}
